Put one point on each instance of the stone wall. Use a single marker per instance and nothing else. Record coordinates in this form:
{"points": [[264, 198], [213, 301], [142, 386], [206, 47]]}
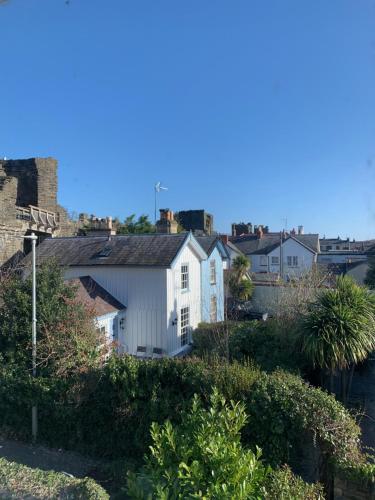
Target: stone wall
{"points": [[345, 489], [8, 195], [11, 244], [22, 183], [37, 181]]}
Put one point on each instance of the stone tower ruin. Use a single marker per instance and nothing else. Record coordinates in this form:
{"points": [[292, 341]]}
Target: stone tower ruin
{"points": [[28, 202]]}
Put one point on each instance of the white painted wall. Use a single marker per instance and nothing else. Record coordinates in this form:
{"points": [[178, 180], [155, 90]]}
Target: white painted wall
{"points": [[290, 247], [178, 299], [143, 292]]}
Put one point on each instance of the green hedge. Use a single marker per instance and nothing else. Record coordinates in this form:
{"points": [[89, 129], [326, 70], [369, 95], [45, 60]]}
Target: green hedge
{"points": [[270, 344], [109, 412], [19, 481]]}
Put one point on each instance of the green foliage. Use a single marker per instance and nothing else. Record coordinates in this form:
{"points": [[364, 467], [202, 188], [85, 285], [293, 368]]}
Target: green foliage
{"points": [[66, 334], [286, 414], [284, 485], [19, 481], [132, 226], [269, 344], [370, 275], [109, 411], [240, 286], [201, 458], [339, 328]]}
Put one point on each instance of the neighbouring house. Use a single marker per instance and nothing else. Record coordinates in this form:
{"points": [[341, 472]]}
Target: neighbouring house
{"points": [[212, 269], [344, 257], [109, 312], [157, 277], [289, 255], [232, 251], [338, 244]]}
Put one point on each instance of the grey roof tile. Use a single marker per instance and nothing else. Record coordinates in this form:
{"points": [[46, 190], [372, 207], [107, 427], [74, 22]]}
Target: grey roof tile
{"points": [[144, 250]]}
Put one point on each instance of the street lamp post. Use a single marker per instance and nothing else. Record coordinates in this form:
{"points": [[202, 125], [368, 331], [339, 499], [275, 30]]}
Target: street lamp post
{"points": [[34, 409]]}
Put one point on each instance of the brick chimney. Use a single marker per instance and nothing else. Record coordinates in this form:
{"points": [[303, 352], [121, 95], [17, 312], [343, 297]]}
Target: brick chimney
{"points": [[167, 223], [224, 238], [293, 232]]}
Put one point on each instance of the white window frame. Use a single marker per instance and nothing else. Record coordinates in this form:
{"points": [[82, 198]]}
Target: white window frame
{"points": [[292, 260], [184, 325], [184, 277], [263, 260], [275, 260], [213, 272], [213, 309]]}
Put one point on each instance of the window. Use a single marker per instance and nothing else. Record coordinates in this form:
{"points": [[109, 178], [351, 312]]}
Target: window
{"points": [[263, 260], [185, 276], [184, 325], [275, 261], [292, 261], [212, 272], [101, 331], [213, 309]]}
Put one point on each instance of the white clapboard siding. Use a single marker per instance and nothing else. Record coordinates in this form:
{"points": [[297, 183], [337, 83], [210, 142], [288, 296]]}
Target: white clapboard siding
{"points": [[143, 292], [178, 299]]}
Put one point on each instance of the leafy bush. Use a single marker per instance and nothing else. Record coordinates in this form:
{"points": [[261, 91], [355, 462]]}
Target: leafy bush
{"points": [[108, 412], [19, 481], [201, 457], [67, 338], [282, 484], [270, 344]]}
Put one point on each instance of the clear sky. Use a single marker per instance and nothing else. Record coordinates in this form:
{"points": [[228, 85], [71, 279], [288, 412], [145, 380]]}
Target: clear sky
{"points": [[255, 110]]}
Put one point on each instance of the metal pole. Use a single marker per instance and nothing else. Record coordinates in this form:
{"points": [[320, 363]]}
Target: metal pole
{"points": [[155, 205], [34, 410]]}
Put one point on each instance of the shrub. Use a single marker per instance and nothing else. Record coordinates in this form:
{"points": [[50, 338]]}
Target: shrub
{"points": [[67, 338], [201, 457], [108, 412], [269, 344], [19, 481], [282, 484]]}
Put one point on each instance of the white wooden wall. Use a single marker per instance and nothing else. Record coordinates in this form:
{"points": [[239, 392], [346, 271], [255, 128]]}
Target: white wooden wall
{"points": [[143, 292], [178, 299]]}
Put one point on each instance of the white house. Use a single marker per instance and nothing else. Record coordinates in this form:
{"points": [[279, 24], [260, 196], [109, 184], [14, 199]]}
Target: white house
{"points": [[296, 253], [157, 277], [212, 278]]}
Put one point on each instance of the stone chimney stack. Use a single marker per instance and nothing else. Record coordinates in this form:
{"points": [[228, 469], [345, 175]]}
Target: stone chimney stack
{"points": [[167, 223], [301, 230], [98, 226], [293, 232], [260, 231]]}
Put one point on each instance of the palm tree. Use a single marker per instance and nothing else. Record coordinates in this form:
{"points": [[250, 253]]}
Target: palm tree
{"points": [[339, 330], [240, 285]]}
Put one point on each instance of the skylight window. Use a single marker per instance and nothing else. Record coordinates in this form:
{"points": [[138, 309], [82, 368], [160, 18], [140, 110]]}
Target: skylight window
{"points": [[105, 252]]}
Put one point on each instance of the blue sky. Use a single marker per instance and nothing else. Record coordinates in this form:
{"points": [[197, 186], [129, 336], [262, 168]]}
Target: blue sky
{"points": [[254, 110]]}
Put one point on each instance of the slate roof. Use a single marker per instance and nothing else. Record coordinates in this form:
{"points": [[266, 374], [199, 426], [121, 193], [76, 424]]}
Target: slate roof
{"points": [[254, 245], [309, 240], [251, 244], [95, 296], [143, 250], [207, 243]]}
